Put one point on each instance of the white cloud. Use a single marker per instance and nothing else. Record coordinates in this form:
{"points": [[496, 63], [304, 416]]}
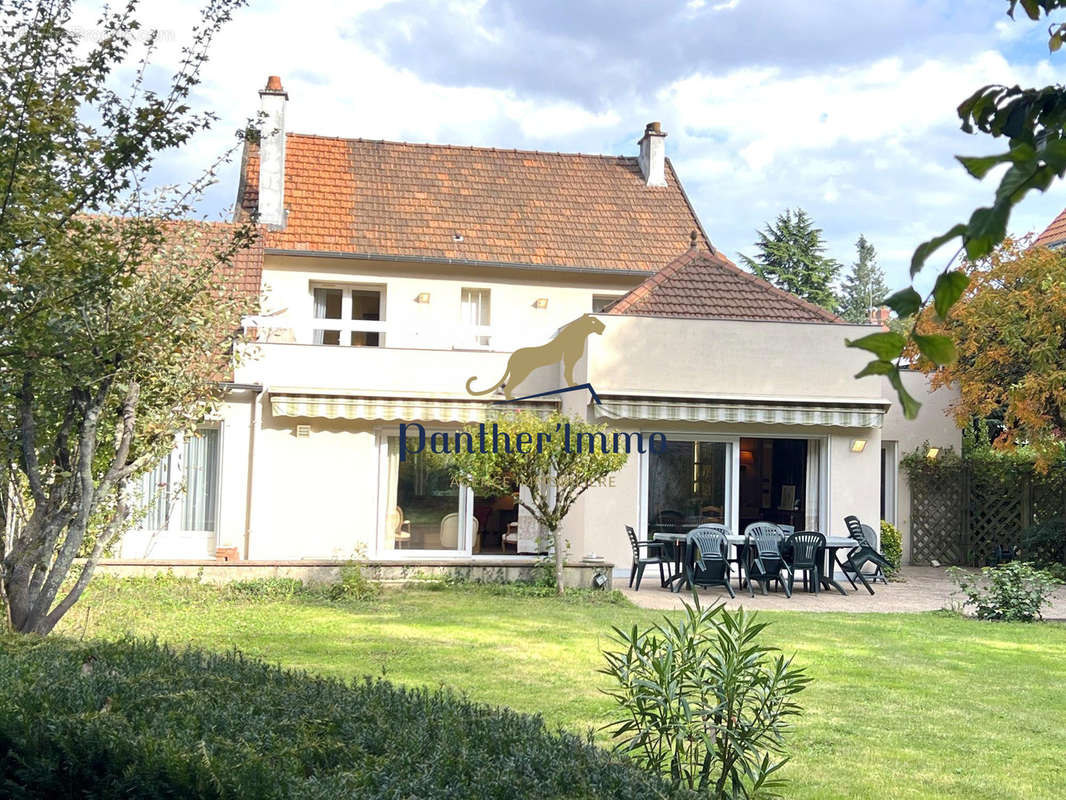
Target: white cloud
{"points": [[865, 148]]}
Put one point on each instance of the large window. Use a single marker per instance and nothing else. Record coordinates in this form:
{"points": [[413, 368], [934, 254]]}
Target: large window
{"points": [[688, 483], [181, 493], [422, 505], [347, 307], [474, 310]]}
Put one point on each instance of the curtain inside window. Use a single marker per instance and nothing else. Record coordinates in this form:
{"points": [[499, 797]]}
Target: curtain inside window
{"points": [[201, 481], [155, 496], [475, 311], [392, 519], [814, 474], [320, 313]]}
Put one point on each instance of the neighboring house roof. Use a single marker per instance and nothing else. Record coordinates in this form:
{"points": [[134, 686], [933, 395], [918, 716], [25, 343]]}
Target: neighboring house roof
{"points": [[1054, 234], [509, 206], [708, 285]]}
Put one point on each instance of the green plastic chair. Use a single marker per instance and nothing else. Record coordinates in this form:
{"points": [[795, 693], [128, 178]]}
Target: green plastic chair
{"points": [[655, 555], [804, 551], [711, 566], [859, 556], [762, 557]]}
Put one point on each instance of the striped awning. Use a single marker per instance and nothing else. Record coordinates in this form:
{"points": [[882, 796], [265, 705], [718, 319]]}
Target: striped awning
{"points": [[835, 415], [397, 408]]}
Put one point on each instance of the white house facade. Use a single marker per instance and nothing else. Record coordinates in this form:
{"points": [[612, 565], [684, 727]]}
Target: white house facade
{"points": [[393, 273]]}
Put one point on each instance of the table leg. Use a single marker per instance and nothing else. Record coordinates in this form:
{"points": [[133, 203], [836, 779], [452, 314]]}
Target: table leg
{"points": [[827, 574]]}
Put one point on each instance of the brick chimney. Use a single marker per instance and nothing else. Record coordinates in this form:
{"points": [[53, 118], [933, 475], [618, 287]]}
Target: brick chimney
{"points": [[652, 157], [880, 316], [272, 154]]}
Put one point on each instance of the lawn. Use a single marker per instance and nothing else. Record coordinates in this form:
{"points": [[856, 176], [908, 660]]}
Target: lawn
{"points": [[901, 706]]}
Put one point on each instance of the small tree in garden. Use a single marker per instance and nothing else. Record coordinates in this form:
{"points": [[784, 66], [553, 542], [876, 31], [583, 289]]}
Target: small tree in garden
{"points": [[117, 314], [703, 702], [569, 459]]}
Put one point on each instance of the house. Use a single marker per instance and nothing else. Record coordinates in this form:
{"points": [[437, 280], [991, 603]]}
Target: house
{"points": [[395, 275]]}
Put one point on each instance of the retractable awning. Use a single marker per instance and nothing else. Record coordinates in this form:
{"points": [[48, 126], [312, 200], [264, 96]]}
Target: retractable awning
{"points": [[841, 415], [396, 408]]}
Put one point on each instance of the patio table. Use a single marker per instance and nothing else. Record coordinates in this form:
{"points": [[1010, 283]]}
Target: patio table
{"points": [[681, 556]]}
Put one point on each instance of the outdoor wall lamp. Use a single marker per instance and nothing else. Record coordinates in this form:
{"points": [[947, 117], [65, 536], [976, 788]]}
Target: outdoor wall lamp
{"points": [[858, 445], [423, 297], [540, 302]]}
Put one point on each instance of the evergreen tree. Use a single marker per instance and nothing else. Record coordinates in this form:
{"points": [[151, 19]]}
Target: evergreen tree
{"points": [[864, 288], [792, 257]]}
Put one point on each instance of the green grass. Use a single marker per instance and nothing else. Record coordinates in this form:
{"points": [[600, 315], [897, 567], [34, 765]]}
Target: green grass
{"points": [[901, 706]]}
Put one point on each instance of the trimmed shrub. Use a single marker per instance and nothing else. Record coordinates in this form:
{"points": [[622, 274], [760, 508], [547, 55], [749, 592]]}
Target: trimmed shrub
{"points": [[892, 547], [1013, 592], [1045, 542], [136, 719]]}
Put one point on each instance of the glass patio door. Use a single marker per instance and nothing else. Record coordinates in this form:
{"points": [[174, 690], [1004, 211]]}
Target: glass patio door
{"points": [[690, 482], [422, 507]]}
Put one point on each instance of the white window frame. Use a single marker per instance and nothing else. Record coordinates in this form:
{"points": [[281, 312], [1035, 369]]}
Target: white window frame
{"points": [[464, 507], [176, 456], [346, 326], [471, 334], [732, 495], [732, 511], [610, 296]]}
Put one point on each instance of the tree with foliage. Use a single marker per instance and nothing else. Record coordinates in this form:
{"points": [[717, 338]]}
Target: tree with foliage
{"points": [[1033, 121], [864, 287], [117, 316], [792, 257], [555, 459], [1009, 328]]}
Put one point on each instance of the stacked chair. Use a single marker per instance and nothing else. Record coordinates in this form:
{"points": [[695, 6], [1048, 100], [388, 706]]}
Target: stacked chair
{"points": [[860, 556]]}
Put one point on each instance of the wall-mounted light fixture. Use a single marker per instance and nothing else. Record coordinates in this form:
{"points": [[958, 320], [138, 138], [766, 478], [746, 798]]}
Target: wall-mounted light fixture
{"points": [[932, 453], [858, 445], [747, 458], [423, 297], [540, 302]]}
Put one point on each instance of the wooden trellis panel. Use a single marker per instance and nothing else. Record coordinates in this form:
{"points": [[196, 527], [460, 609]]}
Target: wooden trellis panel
{"points": [[938, 508], [960, 517]]}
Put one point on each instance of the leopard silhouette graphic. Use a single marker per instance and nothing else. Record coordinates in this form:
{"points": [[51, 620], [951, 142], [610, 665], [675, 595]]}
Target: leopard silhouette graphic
{"points": [[567, 346]]}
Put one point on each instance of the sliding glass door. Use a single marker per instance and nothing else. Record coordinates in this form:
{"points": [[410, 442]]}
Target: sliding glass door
{"points": [[690, 482], [422, 507]]}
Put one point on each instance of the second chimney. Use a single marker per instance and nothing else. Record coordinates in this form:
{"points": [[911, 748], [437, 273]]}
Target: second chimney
{"points": [[652, 157], [272, 154]]}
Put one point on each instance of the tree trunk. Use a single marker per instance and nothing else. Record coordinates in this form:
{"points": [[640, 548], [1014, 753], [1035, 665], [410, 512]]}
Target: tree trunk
{"points": [[560, 557]]}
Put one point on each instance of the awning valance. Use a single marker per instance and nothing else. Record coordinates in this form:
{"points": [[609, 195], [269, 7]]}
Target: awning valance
{"points": [[835, 415], [397, 408]]}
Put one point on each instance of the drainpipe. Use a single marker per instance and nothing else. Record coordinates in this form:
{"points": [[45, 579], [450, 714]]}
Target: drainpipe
{"points": [[253, 427]]}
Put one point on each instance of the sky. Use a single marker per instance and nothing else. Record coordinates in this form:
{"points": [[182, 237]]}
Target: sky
{"points": [[844, 109]]}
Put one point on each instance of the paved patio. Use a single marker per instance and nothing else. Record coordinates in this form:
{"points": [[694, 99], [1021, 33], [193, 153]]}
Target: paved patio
{"points": [[923, 589]]}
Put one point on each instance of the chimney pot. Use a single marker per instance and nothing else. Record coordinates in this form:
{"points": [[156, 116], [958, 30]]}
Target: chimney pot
{"points": [[274, 84], [652, 157]]}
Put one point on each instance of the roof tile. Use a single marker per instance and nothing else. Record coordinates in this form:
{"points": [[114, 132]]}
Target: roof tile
{"points": [[510, 206], [705, 285]]}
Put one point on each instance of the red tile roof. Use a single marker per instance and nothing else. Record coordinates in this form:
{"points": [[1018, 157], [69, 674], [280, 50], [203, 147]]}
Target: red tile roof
{"points": [[1054, 234], [509, 206], [708, 285]]}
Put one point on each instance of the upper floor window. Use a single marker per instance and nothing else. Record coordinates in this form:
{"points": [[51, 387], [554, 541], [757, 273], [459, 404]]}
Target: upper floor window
{"points": [[600, 302], [351, 307], [474, 312]]}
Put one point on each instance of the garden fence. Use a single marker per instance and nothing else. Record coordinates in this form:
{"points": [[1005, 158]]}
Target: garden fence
{"points": [[965, 513]]}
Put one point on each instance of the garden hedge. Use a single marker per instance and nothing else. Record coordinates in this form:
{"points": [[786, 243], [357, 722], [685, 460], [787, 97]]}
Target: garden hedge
{"points": [[136, 719]]}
